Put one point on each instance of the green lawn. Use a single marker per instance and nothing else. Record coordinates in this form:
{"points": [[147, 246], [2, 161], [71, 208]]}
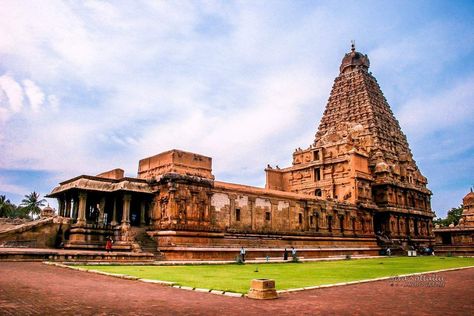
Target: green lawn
{"points": [[236, 278]]}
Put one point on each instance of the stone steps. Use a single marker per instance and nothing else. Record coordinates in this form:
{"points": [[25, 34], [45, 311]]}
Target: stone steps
{"points": [[146, 242]]}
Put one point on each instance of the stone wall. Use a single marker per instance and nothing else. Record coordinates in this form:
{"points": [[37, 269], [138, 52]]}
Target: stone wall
{"points": [[42, 233]]}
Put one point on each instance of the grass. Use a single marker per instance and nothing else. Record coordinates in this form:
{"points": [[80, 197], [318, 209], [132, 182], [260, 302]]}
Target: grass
{"points": [[236, 278]]}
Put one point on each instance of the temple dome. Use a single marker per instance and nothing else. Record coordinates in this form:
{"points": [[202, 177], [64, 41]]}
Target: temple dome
{"points": [[47, 211], [468, 199], [354, 59]]}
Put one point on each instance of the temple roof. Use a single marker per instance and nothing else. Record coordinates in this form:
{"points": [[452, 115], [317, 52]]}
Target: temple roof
{"points": [[468, 199], [354, 59], [358, 112]]}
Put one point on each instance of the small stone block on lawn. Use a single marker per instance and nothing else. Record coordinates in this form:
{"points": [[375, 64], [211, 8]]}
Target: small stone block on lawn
{"points": [[262, 289]]}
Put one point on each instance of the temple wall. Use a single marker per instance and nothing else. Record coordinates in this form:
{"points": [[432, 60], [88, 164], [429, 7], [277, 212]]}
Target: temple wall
{"points": [[175, 161], [42, 233], [242, 209]]}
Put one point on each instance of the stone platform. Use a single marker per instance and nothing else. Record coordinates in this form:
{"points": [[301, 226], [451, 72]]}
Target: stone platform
{"points": [[38, 254], [455, 250], [230, 254]]}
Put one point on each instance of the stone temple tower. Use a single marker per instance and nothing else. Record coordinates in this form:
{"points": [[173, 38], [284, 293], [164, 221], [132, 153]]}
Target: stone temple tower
{"points": [[360, 156]]}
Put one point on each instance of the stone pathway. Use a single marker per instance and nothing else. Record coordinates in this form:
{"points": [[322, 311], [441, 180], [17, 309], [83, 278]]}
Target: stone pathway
{"points": [[31, 288]]}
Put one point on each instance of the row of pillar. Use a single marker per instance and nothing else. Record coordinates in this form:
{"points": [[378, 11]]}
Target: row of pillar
{"points": [[80, 208]]}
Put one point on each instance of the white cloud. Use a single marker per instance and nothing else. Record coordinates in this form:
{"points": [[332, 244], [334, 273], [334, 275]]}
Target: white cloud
{"points": [[7, 187], [424, 115], [53, 102], [35, 95], [243, 82], [13, 92]]}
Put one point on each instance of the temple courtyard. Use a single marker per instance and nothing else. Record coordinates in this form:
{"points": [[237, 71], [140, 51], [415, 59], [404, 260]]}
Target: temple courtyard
{"points": [[236, 277], [32, 288]]}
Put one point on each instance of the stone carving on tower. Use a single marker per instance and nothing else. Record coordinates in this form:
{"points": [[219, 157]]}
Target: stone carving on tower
{"points": [[360, 155]]}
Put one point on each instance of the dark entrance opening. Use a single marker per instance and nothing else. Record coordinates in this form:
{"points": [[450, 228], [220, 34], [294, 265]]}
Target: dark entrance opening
{"points": [[380, 220], [446, 238]]}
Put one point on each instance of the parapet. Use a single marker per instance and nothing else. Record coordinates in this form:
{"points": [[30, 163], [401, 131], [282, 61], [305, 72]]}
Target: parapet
{"points": [[115, 174], [175, 161]]}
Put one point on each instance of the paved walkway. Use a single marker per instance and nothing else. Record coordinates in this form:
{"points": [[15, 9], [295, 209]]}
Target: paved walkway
{"points": [[31, 288]]}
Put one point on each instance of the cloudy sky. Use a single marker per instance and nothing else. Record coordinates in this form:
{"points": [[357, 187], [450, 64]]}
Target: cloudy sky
{"points": [[87, 86]]}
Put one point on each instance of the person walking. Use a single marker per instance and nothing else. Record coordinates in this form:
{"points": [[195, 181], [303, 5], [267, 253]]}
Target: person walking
{"points": [[293, 253], [108, 244], [285, 255]]}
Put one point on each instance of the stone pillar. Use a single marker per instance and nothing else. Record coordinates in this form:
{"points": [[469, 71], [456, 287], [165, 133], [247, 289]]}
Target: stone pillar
{"points": [[208, 216], [114, 213], [251, 205], [291, 210], [306, 211], [75, 208], [67, 212], [142, 213], [101, 210], [151, 212], [61, 206], [273, 208], [81, 217], [316, 220], [398, 225], [126, 210], [232, 198]]}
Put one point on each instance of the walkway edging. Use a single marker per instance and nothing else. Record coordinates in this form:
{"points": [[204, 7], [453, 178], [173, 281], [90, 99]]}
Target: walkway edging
{"points": [[369, 280], [234, 294], [160, 282]]}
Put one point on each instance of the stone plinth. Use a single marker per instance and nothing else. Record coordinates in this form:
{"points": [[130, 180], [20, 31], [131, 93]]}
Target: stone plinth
{"points": [[262, 289]]}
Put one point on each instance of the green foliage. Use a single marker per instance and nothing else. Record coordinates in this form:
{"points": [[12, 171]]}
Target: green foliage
{"points": [[453, 216], [10, 210], [237, 278], [32, 203]]}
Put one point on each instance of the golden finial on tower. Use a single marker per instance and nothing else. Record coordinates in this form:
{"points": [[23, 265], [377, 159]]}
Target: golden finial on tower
{"points": [[353, 45]]}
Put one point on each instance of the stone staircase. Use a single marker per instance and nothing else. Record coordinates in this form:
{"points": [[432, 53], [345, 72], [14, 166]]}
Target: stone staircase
{"points": [[397, 247], [145, 242]]}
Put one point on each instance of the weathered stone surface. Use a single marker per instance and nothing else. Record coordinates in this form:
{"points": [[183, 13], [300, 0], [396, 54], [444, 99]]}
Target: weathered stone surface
{"points": [[262, 289], [357, 178], [459, 239], [360, 156]]}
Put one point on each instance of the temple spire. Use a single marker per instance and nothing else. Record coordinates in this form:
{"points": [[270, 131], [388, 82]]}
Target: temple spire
{"points": [[353, 45]]}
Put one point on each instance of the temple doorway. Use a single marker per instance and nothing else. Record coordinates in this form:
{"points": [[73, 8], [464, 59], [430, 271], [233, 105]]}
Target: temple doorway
{"points": [[380, 224]]}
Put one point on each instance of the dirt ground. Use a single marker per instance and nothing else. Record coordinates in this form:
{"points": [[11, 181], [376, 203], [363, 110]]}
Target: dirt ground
{"points": [[28, 288]]}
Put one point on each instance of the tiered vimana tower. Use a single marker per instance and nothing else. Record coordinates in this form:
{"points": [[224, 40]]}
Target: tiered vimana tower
{"points": [[360, 156]]}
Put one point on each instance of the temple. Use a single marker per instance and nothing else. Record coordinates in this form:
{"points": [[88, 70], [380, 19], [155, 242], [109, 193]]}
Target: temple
{"points": [[458, 239], [355, 189]]}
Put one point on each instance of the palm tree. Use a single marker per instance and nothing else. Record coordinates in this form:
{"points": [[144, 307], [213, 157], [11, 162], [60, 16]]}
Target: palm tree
{"points": [[32, 203], [5, 206]]}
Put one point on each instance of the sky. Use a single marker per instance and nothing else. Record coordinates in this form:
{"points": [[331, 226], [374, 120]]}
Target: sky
{"points": [[88, 86]]}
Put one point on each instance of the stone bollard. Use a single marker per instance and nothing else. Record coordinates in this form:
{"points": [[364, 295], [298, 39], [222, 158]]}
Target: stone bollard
{"points": [[262, 289]]}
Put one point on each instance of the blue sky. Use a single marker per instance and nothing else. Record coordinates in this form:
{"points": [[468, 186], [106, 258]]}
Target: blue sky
{"points": [[94, 85]]}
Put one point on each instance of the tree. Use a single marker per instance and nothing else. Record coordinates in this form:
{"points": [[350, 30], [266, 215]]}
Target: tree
{"points": [[5, 206], [10, 210], [453, 216], [32, 203]]}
